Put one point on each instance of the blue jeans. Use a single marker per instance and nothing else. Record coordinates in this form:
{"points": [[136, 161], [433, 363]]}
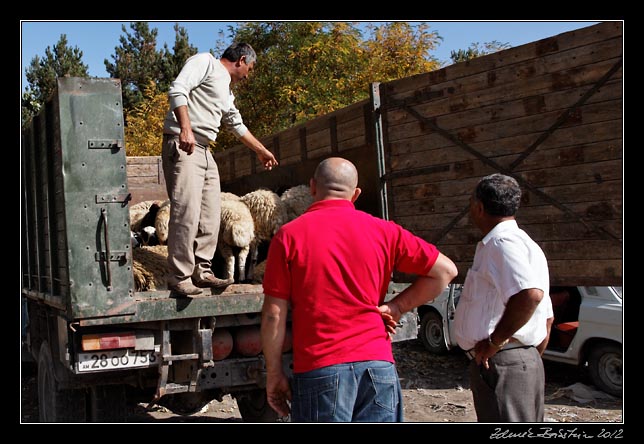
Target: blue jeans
{"points": [[367, 391]]}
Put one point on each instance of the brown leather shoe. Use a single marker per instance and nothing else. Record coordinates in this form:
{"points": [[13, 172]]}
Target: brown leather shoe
{"points": [[210, 281], [184, 289]]}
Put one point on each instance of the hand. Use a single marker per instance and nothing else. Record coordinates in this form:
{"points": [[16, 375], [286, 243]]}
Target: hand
{"points": [[390, 316], [267, 159], [484, 351], [187, 141], [278, 391]]}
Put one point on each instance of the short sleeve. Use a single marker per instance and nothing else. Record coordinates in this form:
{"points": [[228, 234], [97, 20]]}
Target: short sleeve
{"points": [[277, 275], [513, 269], [413, 254]]}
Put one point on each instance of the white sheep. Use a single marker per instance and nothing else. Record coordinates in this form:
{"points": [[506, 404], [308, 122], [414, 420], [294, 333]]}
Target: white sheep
{"points": [[138, 211], [236, 229], [150, 267], [296, 199], [269, 214], [268, 211], [161, 222]]}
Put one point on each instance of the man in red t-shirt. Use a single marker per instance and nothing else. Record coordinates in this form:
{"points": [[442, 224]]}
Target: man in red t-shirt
{"points": [[333, 265]]}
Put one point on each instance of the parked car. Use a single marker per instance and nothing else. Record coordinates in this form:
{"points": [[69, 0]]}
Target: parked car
{"points": [[587, 330]]}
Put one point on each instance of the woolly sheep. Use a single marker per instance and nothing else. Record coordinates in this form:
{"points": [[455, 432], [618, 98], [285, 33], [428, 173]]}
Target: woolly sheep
{"points": [[296, 199], [268, 210], [150, 266], [237, 229], [229, 196], [269, 214], [161, 222], [138, 211]]}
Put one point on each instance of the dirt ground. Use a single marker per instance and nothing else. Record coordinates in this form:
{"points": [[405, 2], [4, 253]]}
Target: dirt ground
{"points": [[435, 390]]}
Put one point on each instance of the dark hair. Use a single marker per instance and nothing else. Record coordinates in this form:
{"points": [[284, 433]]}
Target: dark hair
{"points": [[499, 194], [235, 52]]}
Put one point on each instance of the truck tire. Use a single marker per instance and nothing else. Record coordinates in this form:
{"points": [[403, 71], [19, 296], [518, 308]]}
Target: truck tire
{"points": [[253, 407], [605, 368], [431, 333], [107, 403], [55, 405]]}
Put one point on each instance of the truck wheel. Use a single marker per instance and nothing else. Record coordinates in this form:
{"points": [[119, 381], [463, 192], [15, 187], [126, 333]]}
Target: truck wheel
{"points": [[605, 368], [431, 333], [107, 403], [253, 407], [55, 405]]}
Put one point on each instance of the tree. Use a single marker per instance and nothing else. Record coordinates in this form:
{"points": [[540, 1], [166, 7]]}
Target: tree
{"points": [[172, 62], [144, 131], [136, 63], [306, 69], [477, 50], [59, 61]]}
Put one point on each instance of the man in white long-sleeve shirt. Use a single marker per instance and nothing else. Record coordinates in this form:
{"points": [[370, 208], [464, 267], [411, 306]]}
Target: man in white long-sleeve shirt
{"points": [[200, 103]]}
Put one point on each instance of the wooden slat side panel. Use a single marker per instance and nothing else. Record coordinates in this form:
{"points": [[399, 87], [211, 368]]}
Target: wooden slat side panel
{"points": [[589, 36]]}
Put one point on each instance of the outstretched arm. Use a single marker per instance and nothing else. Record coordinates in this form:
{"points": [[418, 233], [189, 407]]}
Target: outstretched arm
{"points": [[263, 154]]}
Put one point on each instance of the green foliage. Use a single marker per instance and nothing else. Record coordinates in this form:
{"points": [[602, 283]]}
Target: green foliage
{"points": [[477, 50], [144, 131], [307, 69], [59, 61], [171, 62], [136, 62]]}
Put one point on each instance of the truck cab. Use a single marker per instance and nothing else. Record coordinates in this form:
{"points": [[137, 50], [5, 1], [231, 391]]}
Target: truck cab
{"points": [[587, 330]]}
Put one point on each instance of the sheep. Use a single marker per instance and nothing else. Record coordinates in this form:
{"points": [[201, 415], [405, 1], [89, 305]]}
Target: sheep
{"points": [[138, 212], [296, 199], [268, 211], [236, 229], [269, 214], [150, 267], [161, 222], [228, 196], [258, 272]]}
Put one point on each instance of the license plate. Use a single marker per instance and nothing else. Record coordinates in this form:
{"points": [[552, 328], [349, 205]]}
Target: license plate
{"points": [[116, 359]]}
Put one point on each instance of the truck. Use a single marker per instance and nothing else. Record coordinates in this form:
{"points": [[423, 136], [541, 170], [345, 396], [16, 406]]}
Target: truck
{"points": [[548, 113], [587, 331]]}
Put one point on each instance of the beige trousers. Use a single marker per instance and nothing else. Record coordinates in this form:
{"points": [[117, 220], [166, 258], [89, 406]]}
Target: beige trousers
{"points": [[193, 187]]}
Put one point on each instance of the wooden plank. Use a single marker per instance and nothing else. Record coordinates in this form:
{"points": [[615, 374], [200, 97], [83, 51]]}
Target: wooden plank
{"points": [[548, 175], [574, 139], [502, 107], [452, 197], [589, 36], [538, 161], [485, 128], [539, 77], [567, 272], [539, 232], [586, 272]]}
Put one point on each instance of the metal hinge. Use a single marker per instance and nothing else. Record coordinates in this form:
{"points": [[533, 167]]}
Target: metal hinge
{"points": [[105, 143]]}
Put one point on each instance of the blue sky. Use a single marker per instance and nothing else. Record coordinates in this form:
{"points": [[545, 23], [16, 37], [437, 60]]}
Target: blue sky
{"points": [[98, 39]]}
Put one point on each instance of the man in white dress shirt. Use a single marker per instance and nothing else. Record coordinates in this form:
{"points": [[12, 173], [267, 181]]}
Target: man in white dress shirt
{"points": [[503, 317]]}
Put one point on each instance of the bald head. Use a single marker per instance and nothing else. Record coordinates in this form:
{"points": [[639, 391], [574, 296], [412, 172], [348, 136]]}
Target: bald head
{"points": [[335, 178]]}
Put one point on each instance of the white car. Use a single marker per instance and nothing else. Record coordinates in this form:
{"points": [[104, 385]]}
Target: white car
{"points": [[587, 330]]}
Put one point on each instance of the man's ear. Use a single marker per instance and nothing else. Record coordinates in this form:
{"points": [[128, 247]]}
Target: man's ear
{"points": [[356, 193], [312, 186]]}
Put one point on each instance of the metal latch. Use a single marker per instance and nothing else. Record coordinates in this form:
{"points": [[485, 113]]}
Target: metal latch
{"points": [[115, 256], [113, 198], [105, 143]]}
